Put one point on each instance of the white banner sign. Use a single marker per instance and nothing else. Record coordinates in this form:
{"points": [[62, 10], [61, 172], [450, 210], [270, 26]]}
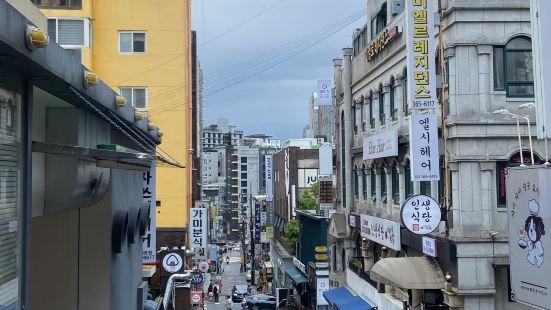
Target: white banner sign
{"points": [[148, 195], [307, 177], [423, 146], [421, 55], [198, 228], [529, 213], [541, 19], [381, 145], [268, 166], [421, 214], [429, 247], [382, 231], [325, 154], [325, 92], [322, 285]]}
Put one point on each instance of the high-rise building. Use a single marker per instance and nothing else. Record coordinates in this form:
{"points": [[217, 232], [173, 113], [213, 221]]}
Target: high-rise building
{"points": [[131, 45]]}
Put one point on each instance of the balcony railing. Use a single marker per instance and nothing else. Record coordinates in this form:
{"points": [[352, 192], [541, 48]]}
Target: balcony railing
{"points": [[58, 4], [359, 270]]}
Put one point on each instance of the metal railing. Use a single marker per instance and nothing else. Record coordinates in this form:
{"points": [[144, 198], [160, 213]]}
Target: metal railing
{"points": [[360, 271]]}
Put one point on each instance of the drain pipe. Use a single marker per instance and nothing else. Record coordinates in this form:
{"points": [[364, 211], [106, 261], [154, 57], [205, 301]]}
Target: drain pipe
{"points": [[170, 286]]}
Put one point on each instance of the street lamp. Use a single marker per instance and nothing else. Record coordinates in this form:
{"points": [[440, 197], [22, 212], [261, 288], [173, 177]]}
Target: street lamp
{"points": [[529, 105], [506, 112]]}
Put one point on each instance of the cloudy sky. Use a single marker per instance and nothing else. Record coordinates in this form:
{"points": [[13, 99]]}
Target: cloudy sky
{"points": [[243, 38]]}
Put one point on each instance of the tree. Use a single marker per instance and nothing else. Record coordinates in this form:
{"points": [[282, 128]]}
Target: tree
{"points": [[309, 199], [291, 236]]}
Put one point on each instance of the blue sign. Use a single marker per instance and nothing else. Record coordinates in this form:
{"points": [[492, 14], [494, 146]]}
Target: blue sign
{"points": [[257, 223], [213, 253], [197, 277]]}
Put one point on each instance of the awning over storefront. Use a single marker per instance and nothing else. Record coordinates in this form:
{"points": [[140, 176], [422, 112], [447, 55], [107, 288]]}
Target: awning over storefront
{"points": [[296, 275], [409, 273], [342, 299]]}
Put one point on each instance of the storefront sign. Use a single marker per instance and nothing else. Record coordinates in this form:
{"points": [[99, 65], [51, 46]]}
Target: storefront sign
{"points": [[172, 262], [380, 42], [354, 220], [307, 177], [268, 166], [529, 214], [196, 297], [269, 232], [421, 52], [325, 155], [326, 192], [429, 247], [421, 214], [148, 195], [424, 153], [322, 285], [541, 19], [197, 277], [325, 92], [257, 223], [381, 145], [198, 228], [320, 249], [382, 231], [320, 257], [299, 265]]}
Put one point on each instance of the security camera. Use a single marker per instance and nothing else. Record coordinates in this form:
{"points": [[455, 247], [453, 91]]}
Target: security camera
{"points": [[493, 234]]}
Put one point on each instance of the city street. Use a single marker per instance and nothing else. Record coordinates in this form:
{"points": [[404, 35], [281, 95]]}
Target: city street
{"points": [[230, 277]]}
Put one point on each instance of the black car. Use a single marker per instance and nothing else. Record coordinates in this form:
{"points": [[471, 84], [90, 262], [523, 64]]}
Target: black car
{"points": [[238, 292], [259, 302]]}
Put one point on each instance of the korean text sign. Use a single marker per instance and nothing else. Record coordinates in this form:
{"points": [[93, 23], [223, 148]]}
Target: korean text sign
{"points": [[528, 211], [198, 228], [421, 214], [424, 153], [382, 231], [148, 195], [325, 92], [421, 54]]}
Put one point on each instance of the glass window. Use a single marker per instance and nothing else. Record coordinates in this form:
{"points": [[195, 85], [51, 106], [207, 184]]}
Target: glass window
{"points": [[395, 185], [513, 68], [424, 188], [501, 167], [383, 183], [364, 183], [362, 119], [10, 189], [243, 160], [136, 96], [405, 105], [354, 116], [356, 184], [131, 42], [371, 116], [373, 28], [373, 179], [392, 98], [407, 181], [243, 183], [381, 106]]}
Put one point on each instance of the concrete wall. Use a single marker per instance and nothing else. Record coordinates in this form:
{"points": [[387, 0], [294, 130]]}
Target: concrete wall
{"points": [[30, 11]]}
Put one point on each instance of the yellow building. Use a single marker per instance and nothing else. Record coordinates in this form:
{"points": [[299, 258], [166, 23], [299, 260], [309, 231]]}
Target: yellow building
{"points": [[142, 48]]}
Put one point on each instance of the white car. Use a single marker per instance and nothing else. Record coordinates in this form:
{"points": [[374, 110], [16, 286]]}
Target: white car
{"points": [[248, 276], [237, 249]]}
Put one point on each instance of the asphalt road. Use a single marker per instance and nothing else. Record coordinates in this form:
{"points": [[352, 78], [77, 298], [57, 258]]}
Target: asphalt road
{"points": [[230, 277]]}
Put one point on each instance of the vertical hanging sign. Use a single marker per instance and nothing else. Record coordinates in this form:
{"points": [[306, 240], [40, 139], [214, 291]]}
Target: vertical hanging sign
{"points": [[269, 178], [198, 230], [325, 92], [424, 154], [148, 194], [421, 51], [257, 223]]}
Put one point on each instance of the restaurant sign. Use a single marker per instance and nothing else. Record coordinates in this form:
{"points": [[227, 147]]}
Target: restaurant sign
{"points": [[382, 231], [421, 214], [381, 41]]}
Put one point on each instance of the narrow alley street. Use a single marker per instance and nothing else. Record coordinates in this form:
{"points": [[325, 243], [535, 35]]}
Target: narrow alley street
{"points": [[230, 277]]}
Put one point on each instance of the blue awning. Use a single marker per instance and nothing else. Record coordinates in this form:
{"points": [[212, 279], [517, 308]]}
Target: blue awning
{"points": [[296, 275], [342, 299], [355, 302]]}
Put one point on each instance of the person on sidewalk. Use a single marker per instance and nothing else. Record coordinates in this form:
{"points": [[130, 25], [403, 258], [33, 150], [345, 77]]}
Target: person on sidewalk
{"points": [[216, 291], [209, 291], [229, 303]]}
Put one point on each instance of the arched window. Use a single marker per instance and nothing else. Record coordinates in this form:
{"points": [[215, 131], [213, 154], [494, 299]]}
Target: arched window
{"points": [[364, 183], [407, 181], [383, 184], [392, 99], [373, 179], [513, 68], [371, 116], [381, 105], [362, 116], [501, 166], [405, 106], [354, 117], [343, 163], [356, 183], [395, 185]]}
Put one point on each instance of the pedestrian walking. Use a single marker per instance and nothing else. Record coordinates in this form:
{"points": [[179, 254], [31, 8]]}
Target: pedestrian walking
{"points": [[215, 292], [209, 291], [229, 303]]}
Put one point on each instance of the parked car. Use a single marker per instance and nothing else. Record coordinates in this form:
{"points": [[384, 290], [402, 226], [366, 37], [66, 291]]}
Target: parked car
{"points": [[239, 292], [259, 302], [248, 276]]}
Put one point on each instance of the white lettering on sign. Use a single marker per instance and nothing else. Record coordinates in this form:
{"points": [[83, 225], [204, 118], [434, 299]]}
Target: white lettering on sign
{"points": [[381, 145], [149, 253], [429, 247]]}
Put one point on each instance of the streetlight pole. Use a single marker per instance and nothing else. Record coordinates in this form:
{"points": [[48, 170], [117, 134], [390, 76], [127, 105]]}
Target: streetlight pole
{"points": [[506, 112], [530, 138]]}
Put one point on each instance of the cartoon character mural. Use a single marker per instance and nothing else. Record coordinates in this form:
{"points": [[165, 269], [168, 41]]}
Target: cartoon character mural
{"points": [[530, 235]]}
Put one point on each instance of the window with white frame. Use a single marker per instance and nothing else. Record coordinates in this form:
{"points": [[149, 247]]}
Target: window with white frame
{"points": [[136, 96], [69, 33], [132, 42]]}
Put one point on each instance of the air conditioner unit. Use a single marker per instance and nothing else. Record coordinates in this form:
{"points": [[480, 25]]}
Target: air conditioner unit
{"points": [[397, 7]]}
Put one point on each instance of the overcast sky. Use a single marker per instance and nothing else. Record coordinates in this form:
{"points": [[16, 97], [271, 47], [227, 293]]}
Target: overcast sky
{"points": [[247, 33]]}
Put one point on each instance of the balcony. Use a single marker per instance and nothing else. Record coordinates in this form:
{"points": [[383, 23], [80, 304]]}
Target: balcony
{"points": [[58, 4]]}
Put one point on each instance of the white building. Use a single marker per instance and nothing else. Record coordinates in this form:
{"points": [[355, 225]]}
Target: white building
{"points": [[213, 135], [488, 66]]}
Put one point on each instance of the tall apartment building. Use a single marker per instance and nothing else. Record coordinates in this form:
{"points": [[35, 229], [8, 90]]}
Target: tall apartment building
{"points": [[488, 65], [131, 45], [213, 135]]}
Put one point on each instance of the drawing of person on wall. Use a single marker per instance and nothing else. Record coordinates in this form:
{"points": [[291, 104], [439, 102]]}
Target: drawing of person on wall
{"points": [[530, 235]]}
